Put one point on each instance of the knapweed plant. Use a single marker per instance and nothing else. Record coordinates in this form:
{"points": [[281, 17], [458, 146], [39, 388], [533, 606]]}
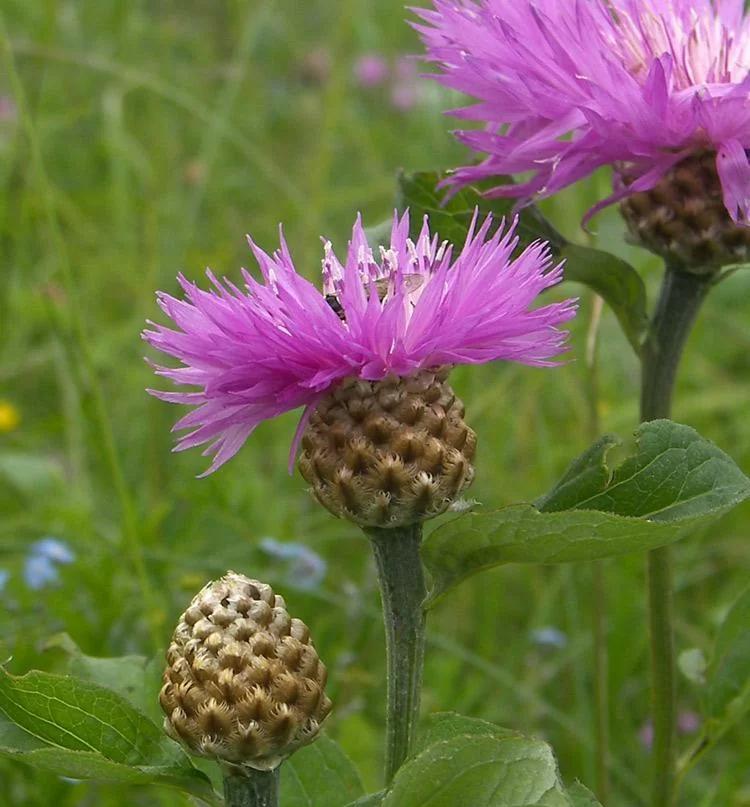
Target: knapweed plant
{"points": [[470, 272], [383, 438]]}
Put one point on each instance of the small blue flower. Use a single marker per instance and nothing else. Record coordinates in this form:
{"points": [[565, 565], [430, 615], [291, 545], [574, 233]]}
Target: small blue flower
{"points": [[4, 577], [40, 568], [54, 549], [39, 572], [305, 568], [549, 637]]}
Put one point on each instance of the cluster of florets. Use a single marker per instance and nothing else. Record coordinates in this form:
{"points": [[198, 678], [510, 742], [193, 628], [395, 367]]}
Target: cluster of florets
{"points": [[243, 683]]}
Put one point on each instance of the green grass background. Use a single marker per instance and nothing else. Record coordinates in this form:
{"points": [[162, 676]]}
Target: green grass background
{"points": [[152, 137]]}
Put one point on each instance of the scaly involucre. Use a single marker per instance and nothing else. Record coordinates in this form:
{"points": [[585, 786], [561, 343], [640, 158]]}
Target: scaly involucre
{"points": [[566, 86], [278, 344]]}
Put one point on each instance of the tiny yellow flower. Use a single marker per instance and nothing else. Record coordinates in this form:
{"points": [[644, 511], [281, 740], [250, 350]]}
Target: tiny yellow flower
{"points": [[10, 417]]}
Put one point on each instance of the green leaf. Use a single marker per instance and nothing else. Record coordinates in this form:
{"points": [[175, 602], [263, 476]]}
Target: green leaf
{"points": [[319, 775], [673, 483], [136, 678], [372, 800], [729, 670], [461, 760], [443, 726], [616, 281], [30, 473], [80, 729], [11, 736], [483, 770], [586, 476], [451, 218], [581, 796], [674, 474]]}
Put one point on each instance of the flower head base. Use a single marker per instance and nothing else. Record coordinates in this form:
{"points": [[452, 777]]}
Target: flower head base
{"points": [[282, 344], [389, 453], [243, 682], [566, 87], [684, 220]]}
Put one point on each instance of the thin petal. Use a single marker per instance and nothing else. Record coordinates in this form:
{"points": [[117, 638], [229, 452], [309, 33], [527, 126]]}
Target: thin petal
{"points": [[734, 172]]}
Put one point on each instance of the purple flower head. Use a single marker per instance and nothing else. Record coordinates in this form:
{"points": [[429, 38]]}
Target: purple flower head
{"points": [[567, 86], [688, 722], [8, 109], [404, 96], [370, 70], [646, 734], [276, 345], [406, 90]]}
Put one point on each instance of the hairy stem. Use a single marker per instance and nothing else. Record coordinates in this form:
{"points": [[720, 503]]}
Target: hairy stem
{"points": [[251, 788], [680, 300], [402, 591]]}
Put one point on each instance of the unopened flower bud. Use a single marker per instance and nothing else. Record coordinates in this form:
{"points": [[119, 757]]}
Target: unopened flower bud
{"points": [[389, 453], [684, 219], [243, 682]]}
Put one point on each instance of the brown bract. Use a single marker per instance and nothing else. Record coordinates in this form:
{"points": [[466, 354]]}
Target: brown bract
{"points": [[243, 682], [389, 453], [684, 220]]}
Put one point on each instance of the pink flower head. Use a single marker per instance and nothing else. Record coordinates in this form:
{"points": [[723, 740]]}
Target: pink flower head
{"points": [[8, 109], [370, 70], [281, 344], [567, 86], [406, 89]]}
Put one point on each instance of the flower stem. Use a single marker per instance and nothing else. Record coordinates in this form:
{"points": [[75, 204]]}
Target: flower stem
{"points": [[402, 591], [601, 680], [681, 296], [251, 788], [662, 675], [598, 578]]}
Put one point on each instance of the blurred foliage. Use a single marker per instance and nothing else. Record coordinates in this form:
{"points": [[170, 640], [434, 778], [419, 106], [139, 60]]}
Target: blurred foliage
{"points": [[149, 138]]}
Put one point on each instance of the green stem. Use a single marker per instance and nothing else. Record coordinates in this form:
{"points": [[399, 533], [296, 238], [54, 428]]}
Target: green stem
{"points": [[599, 579], [663, 705], [251, 788], [681, 296], [402, 591], [601, 680]]}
